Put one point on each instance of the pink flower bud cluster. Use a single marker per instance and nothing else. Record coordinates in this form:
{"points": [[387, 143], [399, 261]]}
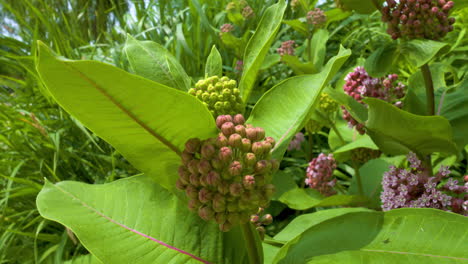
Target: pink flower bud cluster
{"points": [[295, 5], [287, 48], [239, 67], [359, 85], [228, 178], [260, 219], [248, 13], [413, 187], [226, 28], [220, 95], [412, 19], [363, 155], [316, 17], [296, 142], [320, 174]]}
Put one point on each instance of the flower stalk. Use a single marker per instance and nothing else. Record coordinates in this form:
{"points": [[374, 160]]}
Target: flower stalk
{"points": [[254, 251]]}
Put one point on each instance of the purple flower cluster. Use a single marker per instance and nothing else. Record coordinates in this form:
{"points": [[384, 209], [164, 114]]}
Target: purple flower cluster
{"points": [[413, 187], [316, 17], [418, 18], [320, 173], [227, 178], [296, 142], [359, 85], [287, 48]]}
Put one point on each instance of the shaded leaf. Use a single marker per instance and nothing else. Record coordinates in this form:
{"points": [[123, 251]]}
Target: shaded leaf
{"points": [[258, 46], [397, 236], [152, 61], [303, 199], [381, 60]]}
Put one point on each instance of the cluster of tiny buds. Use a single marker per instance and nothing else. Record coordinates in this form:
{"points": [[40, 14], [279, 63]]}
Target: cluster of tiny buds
{"points": [[326, 104], [259, 220], [226, 28], [319, 174], [227, 178], [295, 4], [411, 19], [363, 155], [220, 95], [287, 48], [414, 187], [296, 142], [248, 13], [316, 17], [359, 85]]}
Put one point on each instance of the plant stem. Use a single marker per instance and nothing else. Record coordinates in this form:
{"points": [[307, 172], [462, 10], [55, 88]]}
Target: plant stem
{"points": [[252, 249], [309, 47], [333, 126], [429, 89], [358, 178]]}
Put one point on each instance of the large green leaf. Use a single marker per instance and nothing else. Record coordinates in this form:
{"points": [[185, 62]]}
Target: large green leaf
{"points": [[306, 221], [419, 52], [303, 199], [258, 46], [134, 220], [319, 48], [381, 60], [371, 175], [85, 259], [298, 66], [147, 122], [283, 109], [152, 61], [398, 236], [363, 7], [214, 63], [396, 131]]}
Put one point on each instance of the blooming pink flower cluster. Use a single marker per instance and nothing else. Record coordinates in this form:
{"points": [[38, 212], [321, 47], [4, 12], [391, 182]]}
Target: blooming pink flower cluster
{"points": [[359, 85], [287, 48], [296, 142], [413, 187], [320, 173], [247, 12], [418, 18], [316, 17]]}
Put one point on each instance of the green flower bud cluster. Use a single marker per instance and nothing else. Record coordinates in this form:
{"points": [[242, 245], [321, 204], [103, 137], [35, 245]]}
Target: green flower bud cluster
{"points": [[220, 95], [363, 155], [260, 220], [327, 105], [228, 178]]}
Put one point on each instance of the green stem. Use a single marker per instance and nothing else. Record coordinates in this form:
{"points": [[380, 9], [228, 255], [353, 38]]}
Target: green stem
{"points": [[429, 89], [333, 126], [358, 178], [252, 250], [309, 47]]}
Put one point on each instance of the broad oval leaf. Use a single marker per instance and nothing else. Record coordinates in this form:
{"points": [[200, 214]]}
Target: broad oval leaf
{"points": [[147, 122], [152, 61], [258, 46], [419, 52], [397, 236], [396, 131], [283, 109], [134, 220], [214, 63], [306, 221]]}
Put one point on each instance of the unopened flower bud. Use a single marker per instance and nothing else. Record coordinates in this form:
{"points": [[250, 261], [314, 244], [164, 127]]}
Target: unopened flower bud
{"points": [[186, 157], [239, 119], [204, 166], [235, 168], [219, 203], [193, 166], [180, 185], [257, 148], [235, 141], [223, 186], [228, 129], [248, 182], [207, 151], [221, 141], [225, 154], [266, 219], [192, 145], [235, 189], [240, 129], [193, 205], [250, 159], [246, 145], [271, 141], [220, 120], [205, 195], [262, 166], [220, 217], [206, 213], [194, 180]]}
